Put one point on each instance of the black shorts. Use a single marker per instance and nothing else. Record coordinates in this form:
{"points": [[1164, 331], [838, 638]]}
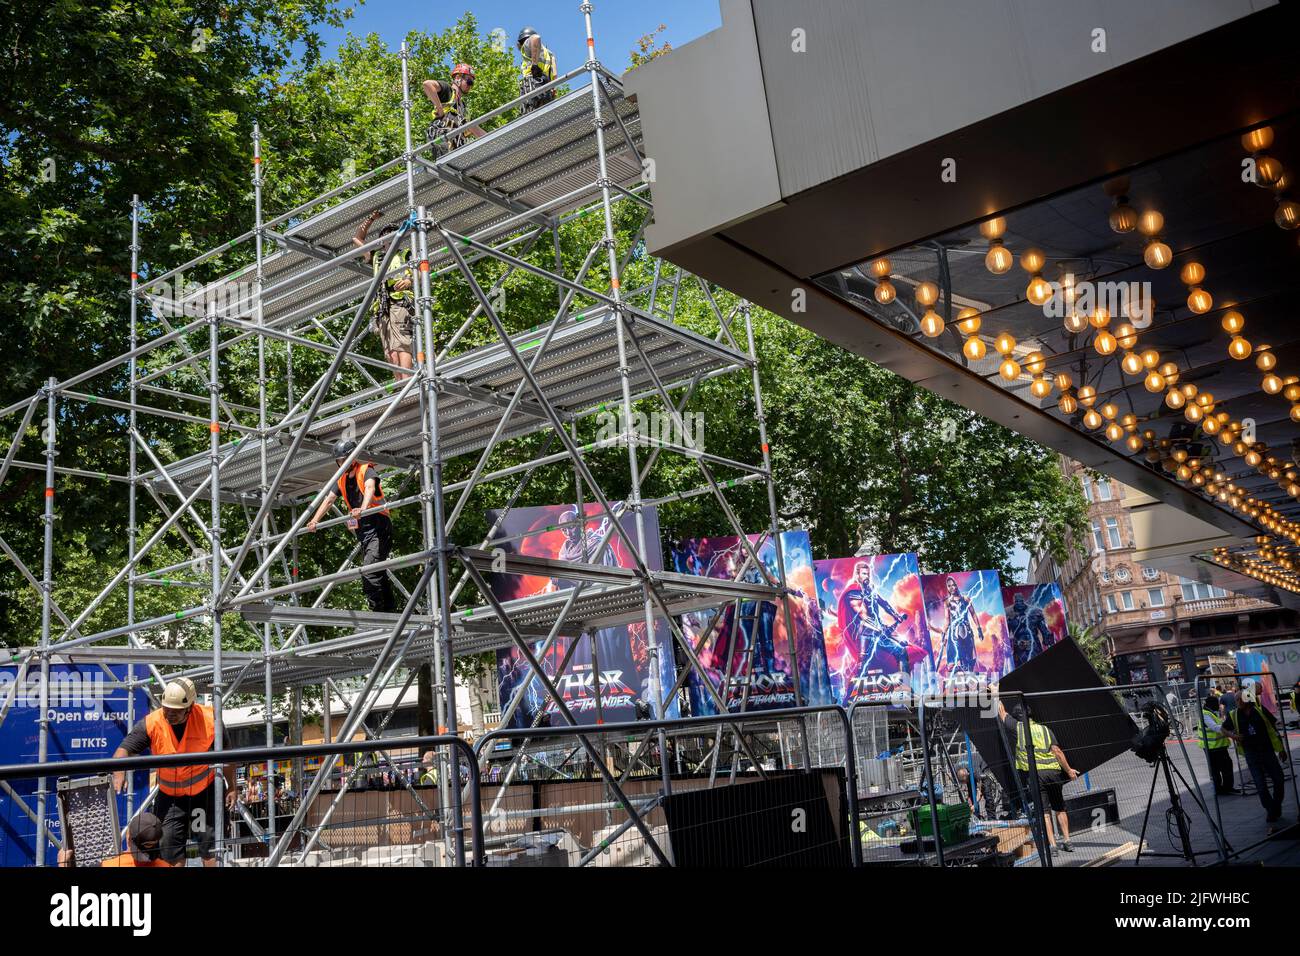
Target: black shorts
{"points": [[1052, 783], [186, 817]]}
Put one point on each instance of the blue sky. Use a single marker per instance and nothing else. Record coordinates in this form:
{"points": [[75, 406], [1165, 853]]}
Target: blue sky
{"points": [[617, 23]]}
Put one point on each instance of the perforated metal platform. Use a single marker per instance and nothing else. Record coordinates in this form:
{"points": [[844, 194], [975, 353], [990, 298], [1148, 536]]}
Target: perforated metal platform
{"points": [[474, 630], [577, 372], [478, 190]]}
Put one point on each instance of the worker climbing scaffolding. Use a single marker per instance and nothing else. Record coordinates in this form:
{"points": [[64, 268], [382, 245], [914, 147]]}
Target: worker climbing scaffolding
{"points": [[451, 109], [393, 315], [361, 491]]}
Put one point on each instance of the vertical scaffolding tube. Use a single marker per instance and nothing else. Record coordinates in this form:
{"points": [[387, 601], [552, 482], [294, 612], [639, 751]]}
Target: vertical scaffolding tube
{"points": [[773, 524], [426, 353], [47, 602], [214, 493], [435, 524], [132, 475], [634, 492], [264, 530], [446, 653]]}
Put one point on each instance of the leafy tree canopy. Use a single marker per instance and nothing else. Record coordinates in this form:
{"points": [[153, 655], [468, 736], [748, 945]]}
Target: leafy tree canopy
{"points": [[103, 100]]}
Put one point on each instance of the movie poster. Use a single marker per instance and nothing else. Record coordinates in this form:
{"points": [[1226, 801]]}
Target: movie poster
{"points": [[1035, 619], [873, 622], [1254, 662], [967, 625], [750, 666], [621, 668]]}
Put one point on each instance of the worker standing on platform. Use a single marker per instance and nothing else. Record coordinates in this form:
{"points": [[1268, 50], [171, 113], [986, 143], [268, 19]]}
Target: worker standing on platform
{"points": [[359, 487], [394, 317], [450, 110], [1053, 770], [1254, 730], [1215, 743], [185, 794], [538, 70]]}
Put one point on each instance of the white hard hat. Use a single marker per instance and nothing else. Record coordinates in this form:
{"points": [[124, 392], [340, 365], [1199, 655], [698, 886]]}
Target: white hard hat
{"points": [[178, 694]]}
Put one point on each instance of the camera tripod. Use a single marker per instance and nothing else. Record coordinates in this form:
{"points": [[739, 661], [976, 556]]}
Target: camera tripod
{"points": [[1163, 766]]}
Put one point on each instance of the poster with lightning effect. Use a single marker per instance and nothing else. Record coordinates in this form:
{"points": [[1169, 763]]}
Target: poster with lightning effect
{"points": [[750, 665], [873, 622], [621, 665], [1035, 619], [967, 624]]}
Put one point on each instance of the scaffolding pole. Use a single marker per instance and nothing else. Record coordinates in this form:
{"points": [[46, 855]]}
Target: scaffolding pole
{"points": [[489, 201]]}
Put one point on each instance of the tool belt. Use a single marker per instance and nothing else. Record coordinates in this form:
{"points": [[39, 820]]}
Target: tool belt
{"points": [[445, 124], [529, 83]]}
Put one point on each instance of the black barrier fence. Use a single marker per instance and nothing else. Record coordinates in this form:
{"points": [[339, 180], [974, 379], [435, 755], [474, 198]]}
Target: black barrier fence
{"points": [[751, 789], [1143, 790], [1099, 778], [1247, 759], [383, 805], [981, 781]]}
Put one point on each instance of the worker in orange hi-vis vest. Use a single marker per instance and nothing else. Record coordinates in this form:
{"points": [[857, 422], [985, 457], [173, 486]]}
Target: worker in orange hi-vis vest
{"points": [[185, 801], [143, 842], [368, 519]]}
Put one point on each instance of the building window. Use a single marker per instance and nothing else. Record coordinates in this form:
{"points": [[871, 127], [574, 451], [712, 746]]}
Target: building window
{"points": [[1097, 541], [1156, 597], [1126, 600], [1112, 532], [1111, 606], [1196, 591], [1103, 490], [1087, 489], [1150, 574]]}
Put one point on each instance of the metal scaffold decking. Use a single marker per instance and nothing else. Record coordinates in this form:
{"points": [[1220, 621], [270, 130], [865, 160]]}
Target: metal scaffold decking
{"points": [[529, 173], [578, 370], [604, 350]]}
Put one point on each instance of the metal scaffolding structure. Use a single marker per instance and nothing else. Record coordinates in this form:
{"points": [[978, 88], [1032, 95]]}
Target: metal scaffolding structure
{"points": [[606, 348]]}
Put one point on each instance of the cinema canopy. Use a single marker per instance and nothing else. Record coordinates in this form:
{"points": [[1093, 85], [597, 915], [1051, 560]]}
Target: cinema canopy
{"points": [[1078, 219]]}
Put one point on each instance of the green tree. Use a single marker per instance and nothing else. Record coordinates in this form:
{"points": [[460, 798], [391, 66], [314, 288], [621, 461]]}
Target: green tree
{"points": [[860, 456], [1093, 643], [649, 46]]}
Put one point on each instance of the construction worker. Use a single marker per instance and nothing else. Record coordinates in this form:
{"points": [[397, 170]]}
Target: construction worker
{"points": [[143, 846], [538, 69], [393, 311], [450, 111], [185, 797], [429, 764], [1254, 730], [1053, 770], [1211, 738], [359, 487]]}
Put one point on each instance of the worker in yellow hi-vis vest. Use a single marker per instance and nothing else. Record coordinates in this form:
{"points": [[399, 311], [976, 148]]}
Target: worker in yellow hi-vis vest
{"points": [[393, 312], [537, 70], [1051, 765], [1211, 738]]}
